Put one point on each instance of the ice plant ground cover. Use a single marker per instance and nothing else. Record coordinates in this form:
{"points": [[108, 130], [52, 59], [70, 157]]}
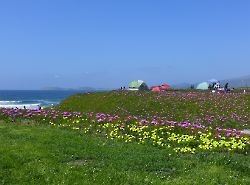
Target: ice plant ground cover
{"points": [[225, 110], [186, 122], [178, 123], [185, 137]]}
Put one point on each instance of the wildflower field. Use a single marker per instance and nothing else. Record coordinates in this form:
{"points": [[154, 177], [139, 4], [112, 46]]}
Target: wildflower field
{"points": [[183, 121], [201, 126]]}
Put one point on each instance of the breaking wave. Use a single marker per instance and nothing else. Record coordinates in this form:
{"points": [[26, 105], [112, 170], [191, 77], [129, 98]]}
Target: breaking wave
{"points": [[31, 104]]}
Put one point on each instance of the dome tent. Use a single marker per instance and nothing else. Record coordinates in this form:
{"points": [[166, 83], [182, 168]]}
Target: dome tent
{"points": [[137, 85], [203, 86]]}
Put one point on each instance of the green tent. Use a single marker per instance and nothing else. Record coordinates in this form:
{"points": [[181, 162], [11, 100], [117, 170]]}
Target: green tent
{"points": [[137, 85], [203, 86]]}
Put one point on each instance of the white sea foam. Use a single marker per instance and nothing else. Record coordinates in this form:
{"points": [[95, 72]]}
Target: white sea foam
{"points": [[28, 104], [9, 102], [21, 106]]}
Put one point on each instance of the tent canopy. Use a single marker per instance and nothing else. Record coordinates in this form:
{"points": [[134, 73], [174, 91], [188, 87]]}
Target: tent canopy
{"points": [[138, 85], [160, 87], [165, 86], [203, 86], [156, 89]]}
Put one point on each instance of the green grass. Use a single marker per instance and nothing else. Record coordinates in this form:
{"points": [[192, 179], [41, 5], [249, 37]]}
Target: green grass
{"points": [[174, 106], [120, 102], [32, 151], [32, 154], [103, 102]]}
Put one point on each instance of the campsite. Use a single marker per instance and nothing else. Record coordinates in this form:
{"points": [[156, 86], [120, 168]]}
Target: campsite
{"points": [[213, 85]]}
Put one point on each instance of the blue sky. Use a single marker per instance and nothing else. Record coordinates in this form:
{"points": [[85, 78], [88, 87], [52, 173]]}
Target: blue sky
{"points": [[109, 43]]}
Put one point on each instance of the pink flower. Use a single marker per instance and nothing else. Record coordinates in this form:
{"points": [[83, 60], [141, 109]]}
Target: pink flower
{"points": [[218, 135]]}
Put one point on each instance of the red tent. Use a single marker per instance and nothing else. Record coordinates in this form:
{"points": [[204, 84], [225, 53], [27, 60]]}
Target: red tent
{"points": [[156, 88], [165, 86]]}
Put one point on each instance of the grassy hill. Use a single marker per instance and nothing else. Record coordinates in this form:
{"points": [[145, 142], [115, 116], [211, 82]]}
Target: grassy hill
{"points": [[171, 105], [121, 137]]}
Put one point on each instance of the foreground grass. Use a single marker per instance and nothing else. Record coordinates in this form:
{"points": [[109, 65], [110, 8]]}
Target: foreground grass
{"points": [[33, 154]]}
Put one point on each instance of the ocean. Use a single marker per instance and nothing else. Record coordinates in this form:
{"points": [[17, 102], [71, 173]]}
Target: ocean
{"points": [[32, 99]]}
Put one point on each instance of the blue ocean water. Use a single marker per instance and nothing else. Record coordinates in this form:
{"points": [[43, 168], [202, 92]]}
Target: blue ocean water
{"points": [[32, 98]]}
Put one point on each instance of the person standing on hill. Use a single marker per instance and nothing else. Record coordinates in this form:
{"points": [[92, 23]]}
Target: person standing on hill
{"points": [[226, 86]]}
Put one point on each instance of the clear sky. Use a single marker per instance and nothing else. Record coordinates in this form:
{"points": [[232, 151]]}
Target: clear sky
{"points": [[70, 43]]}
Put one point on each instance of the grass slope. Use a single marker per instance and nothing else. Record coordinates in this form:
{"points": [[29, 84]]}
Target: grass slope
{"points": [[123, 103], [175, 106], [104, 102], [32, 154]]}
